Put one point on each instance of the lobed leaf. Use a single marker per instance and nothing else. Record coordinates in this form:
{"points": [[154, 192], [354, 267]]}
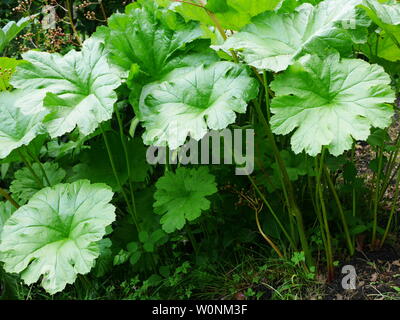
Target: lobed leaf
{"points": [[79, 87], [231, 14], [273, 40], [17, 128], [191, 100], [55, 236], [25, 185], [181, 196], [328, 102]]}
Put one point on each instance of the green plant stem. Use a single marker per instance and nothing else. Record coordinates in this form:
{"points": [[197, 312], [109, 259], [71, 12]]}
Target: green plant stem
{"points": [[392, 211], [29, 166], [6, 196], [267, 99], [317, 207], [36, 159], [285, 181], [272, 212], [216, 23], [354, 200], [126, 153], [71, 21], [376, 198], [292, 206], [320, 196], [390, 171], [113, 167], [341, 212], [192, 240]]}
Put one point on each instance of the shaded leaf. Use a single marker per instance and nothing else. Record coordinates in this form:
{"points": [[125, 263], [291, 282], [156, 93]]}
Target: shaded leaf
{"points": [[181, 196], [25, 185]]}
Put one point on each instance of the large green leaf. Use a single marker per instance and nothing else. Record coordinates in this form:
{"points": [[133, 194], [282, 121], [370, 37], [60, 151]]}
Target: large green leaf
{"points": [[79, 86], [191, 100], [11, 30], [328, 102], [55, 236], [383, 14], [6, 210], [182, 195], [148, 42], [387, 17], [16, 128], [231, 14], [387, 48], [25, 184], [149, 38], [273, 40]]}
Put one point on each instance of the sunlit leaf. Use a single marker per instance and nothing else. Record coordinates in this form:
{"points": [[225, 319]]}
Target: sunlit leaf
{"points": [[55, 235], [329, 102]]}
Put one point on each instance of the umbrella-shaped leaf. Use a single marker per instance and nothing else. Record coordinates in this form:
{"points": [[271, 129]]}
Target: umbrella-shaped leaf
{"points": [[194, 99], [79, 86], [55, 236], [328, 102], [273, 39], [17, 128], [182, 195]]}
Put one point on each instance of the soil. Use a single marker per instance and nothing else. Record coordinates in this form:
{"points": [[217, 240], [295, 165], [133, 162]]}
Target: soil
{"points": [[378, 277]]}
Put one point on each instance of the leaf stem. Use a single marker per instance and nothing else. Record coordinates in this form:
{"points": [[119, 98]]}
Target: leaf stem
{"points": [[390, 171], [113, 167], [216, 22], [191, 3], [272, 211], [320, 195], [35, 158], [192, 240], [128, 163], [30, 168], [376, 198], [341, 212], [292, 206], [392, 211], [8, 197], [267, 99], [71, 20]]}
